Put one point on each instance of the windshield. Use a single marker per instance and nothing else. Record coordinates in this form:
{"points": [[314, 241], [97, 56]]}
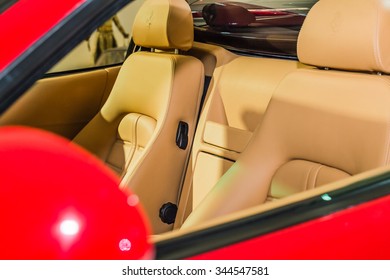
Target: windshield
{"points": [[265, 27]]}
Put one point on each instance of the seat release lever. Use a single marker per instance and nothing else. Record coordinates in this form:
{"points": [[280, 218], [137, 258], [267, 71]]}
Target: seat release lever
{"points": [[182, 135]]}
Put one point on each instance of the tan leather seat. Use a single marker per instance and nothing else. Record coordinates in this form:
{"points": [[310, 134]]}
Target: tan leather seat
{"points": [[135, 132], [322, 124]]}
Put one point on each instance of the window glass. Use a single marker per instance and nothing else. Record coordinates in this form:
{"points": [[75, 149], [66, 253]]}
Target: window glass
{"points": [[267, 27], [106, 46]]}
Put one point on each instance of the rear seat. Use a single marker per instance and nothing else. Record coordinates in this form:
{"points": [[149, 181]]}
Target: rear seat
{"points": [[238, 96], [322, 124]]}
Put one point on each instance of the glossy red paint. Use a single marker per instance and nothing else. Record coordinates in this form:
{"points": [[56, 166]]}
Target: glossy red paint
{"points": [[359, 232], [34, 19], [59, 202]]}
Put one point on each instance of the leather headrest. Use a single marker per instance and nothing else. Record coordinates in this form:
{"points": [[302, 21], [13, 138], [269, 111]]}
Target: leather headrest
{"points": [[347, 35], [164, 24]]}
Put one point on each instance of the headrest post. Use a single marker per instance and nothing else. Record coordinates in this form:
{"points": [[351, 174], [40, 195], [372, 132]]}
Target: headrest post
{"points": [[176, 51]]}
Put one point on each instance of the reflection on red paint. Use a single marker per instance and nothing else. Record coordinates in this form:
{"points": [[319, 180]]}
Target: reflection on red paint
{"points": [[58, 202], [69, 227]]}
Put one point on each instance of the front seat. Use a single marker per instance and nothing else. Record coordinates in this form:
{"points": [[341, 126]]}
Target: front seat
{"points": [[322, 124], [144, 130]]}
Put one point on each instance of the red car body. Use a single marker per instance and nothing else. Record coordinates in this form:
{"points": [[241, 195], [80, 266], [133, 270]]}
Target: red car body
{"points": [[18, 19]]}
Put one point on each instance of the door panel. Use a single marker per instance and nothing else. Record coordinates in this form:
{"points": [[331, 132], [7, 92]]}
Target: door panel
{"points": [[357, 233], [62, 104]]}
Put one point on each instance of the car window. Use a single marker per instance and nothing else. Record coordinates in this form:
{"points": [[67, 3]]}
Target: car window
{"points": [[266, 27], [105, 46]]}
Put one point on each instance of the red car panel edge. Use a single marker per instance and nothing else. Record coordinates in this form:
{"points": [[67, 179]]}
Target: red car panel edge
{"points": [[23, 36], [358, 232]]}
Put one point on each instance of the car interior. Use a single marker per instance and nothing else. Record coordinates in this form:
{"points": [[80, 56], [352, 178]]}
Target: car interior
{"points": [[203, 135]]}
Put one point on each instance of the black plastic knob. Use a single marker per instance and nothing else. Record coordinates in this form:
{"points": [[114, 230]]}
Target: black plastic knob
{"points": [[168, 213]]}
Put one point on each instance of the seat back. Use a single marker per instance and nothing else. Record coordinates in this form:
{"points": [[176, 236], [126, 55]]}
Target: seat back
{"points": [[155, 93], [322, 124], [238, 97]]}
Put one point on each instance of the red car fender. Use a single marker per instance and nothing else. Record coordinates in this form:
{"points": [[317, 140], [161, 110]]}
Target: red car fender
{"points": [[59, 202]]}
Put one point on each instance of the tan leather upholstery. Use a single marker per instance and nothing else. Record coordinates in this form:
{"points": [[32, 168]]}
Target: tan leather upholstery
{"points": [[135, 131], [298, 175], [238, 97], [212, 56], [63, 104], [164, 24], [348, 34], [320, 125], [266, 207]]}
